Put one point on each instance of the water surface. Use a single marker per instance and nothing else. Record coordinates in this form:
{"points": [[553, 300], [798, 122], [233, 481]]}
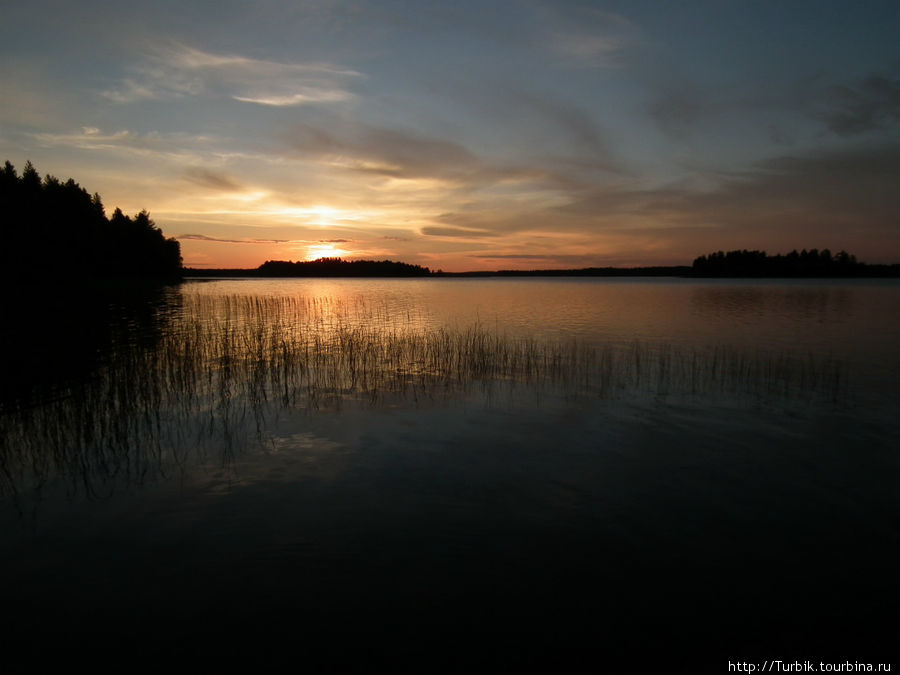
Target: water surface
{"points": [[439, 472]]}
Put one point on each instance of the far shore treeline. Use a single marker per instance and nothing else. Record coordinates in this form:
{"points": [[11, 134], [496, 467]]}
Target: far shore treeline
{"points": [[331, 267], [738, 264], [52, 229], [806, 263]]}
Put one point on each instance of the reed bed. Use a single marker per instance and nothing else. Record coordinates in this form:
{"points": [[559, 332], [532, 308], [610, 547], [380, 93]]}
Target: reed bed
{"points": [[226, 365], [310, 348]]}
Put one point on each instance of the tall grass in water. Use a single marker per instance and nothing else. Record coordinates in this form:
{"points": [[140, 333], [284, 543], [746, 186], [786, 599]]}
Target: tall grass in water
{"points": [[224, 366], [313, 352]]}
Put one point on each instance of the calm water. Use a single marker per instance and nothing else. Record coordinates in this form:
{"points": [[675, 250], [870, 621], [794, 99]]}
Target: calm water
{"points": [[456, 474]]}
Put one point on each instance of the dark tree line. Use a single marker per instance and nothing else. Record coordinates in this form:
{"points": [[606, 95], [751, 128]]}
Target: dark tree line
{"points": [[323, 267], [51, 228], [806, 263], [336, 267]]}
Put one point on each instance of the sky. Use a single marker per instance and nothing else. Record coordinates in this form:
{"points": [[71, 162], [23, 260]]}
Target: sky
{"points": [[521, 134]]}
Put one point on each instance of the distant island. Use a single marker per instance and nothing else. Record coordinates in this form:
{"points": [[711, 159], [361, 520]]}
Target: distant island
{"points": [[736, 264], [337, 267], [53, 229], [806, 263]]}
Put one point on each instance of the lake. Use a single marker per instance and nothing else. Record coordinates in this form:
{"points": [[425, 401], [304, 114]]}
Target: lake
{"points": [[454, 474]]}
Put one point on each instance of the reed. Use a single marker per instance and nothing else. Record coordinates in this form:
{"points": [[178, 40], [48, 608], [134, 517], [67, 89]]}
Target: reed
{"points": [[227, 364]]}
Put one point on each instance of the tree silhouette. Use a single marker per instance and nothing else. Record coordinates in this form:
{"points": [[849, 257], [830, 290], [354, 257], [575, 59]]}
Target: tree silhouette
{"points": [[336, 267], [53, 229], [806, 263]]}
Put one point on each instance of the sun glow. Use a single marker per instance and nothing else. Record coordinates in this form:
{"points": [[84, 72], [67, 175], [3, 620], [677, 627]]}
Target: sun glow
{"points": [[316, 251], [318, 215]]}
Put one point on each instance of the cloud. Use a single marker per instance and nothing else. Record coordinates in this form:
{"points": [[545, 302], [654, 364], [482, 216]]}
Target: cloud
{"points": [[598, 40], [599, 50], [386, 152], [541, 133], [177, 70], [681, 108], [847, 109], [130, 142], [678, 111], [436, 231], [203, 237], [841, 191], [183, 154], [405, 169], [585, 260], [302, 96], [870, 105], [130, 91], [559, 119], [255, 240], [844, 198], [211, 179], [31, 97], [522, 256]]}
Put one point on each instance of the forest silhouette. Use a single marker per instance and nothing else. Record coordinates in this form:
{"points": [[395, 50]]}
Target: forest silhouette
{"points": [[330, 267], [734, 264], [55, 229], [806, 263]]}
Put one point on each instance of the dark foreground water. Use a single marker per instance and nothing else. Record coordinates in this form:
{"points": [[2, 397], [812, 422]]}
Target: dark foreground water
{"points": [[453, 475]]}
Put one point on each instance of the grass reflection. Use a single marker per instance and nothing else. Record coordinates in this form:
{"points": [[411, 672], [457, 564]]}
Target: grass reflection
{"points": [[221, 369]]}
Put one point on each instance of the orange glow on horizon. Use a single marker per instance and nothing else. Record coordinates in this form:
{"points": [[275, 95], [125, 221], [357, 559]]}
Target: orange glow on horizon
{"points": [[316, 251]]}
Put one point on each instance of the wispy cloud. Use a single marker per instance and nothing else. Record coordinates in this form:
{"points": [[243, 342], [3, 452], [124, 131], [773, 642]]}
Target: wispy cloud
{"points": [[93, 138], [870, 105], [130, 91], [383, 151], [443, 231], [599, 40], [302, 96], [847, 108], [203, 237], [408, 166], [821, 198], [821, 195], [536, 257], [574, 132], [598, 50], [178, 70], [214, 180]]}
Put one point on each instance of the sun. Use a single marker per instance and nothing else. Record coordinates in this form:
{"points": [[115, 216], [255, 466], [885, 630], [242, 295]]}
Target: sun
{"points": [[316, 251]]}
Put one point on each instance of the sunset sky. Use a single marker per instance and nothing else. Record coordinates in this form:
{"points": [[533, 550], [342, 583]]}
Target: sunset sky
{"points": [[468, 135]]}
